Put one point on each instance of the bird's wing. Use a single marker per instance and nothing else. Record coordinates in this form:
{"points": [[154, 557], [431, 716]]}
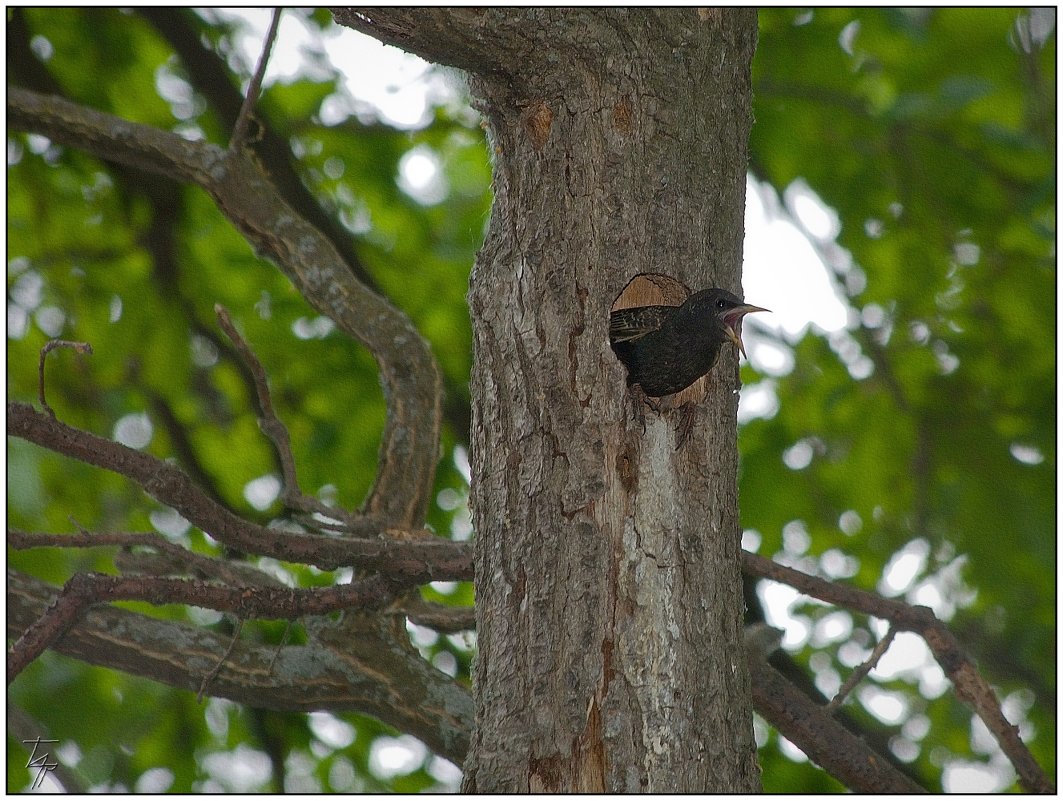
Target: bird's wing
{"points": [[627, 325]]}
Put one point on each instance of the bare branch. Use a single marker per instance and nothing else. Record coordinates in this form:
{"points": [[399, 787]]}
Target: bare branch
{"points": [[826, 741], [277, 432], [85, 590], [975, 691], [392, 685], [445, 619], [80, 347], [248, 106], [861, 671], [413, 561], [172, 558], [410, 376], [840, 594], [971, 688]]}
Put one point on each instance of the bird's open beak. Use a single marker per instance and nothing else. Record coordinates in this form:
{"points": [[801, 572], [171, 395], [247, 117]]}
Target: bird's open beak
{"points": [[733, 323]]}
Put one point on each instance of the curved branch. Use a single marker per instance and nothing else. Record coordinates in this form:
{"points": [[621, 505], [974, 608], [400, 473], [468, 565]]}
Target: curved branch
{"points": [[409, 374], [272, 426], [391, 684], [970, 687], [210, 77], [427, 558]]}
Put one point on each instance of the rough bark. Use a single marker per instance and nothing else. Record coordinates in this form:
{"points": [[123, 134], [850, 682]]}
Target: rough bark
{"points": [[608, 590], [377, 673]]}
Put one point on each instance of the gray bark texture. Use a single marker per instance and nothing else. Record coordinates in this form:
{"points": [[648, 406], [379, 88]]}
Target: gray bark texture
{"points": [[609, 601]]}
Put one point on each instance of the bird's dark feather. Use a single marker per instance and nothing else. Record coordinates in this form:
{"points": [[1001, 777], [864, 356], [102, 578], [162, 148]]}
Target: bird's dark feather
{"points": [[626, 325], [668, 348]]}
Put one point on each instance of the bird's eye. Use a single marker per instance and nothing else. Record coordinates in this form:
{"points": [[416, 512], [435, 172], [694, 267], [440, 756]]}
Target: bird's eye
{"points": [[721, 303]]}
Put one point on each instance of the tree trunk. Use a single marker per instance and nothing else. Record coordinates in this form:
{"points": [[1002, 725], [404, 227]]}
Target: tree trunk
{"points": [[609, 600]]}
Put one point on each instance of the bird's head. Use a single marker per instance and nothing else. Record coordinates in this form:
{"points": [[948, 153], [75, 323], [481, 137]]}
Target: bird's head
{"points": [[730, 310]]}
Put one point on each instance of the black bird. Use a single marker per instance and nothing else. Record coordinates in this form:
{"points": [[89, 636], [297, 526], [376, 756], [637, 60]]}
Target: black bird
{"points": [[668, 348]]}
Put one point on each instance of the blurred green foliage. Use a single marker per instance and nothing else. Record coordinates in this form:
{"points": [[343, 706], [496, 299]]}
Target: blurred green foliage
{"points": [[930, 132]]}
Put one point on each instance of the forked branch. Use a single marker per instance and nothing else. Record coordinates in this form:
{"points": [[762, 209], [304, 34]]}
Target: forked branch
{"points": [[406, 562], [411, 378], [971, 687]]}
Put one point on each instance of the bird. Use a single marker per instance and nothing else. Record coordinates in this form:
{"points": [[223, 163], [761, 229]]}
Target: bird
{"points": [[668, 348]]}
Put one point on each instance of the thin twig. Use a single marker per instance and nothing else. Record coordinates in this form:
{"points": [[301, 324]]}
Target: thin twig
{"points": [[277, 432], [862, 670], [821, 736], [217, 668], [280, 646], [172, 559], [49, 346], [270, 424], [244, 119], [21, 540]]}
